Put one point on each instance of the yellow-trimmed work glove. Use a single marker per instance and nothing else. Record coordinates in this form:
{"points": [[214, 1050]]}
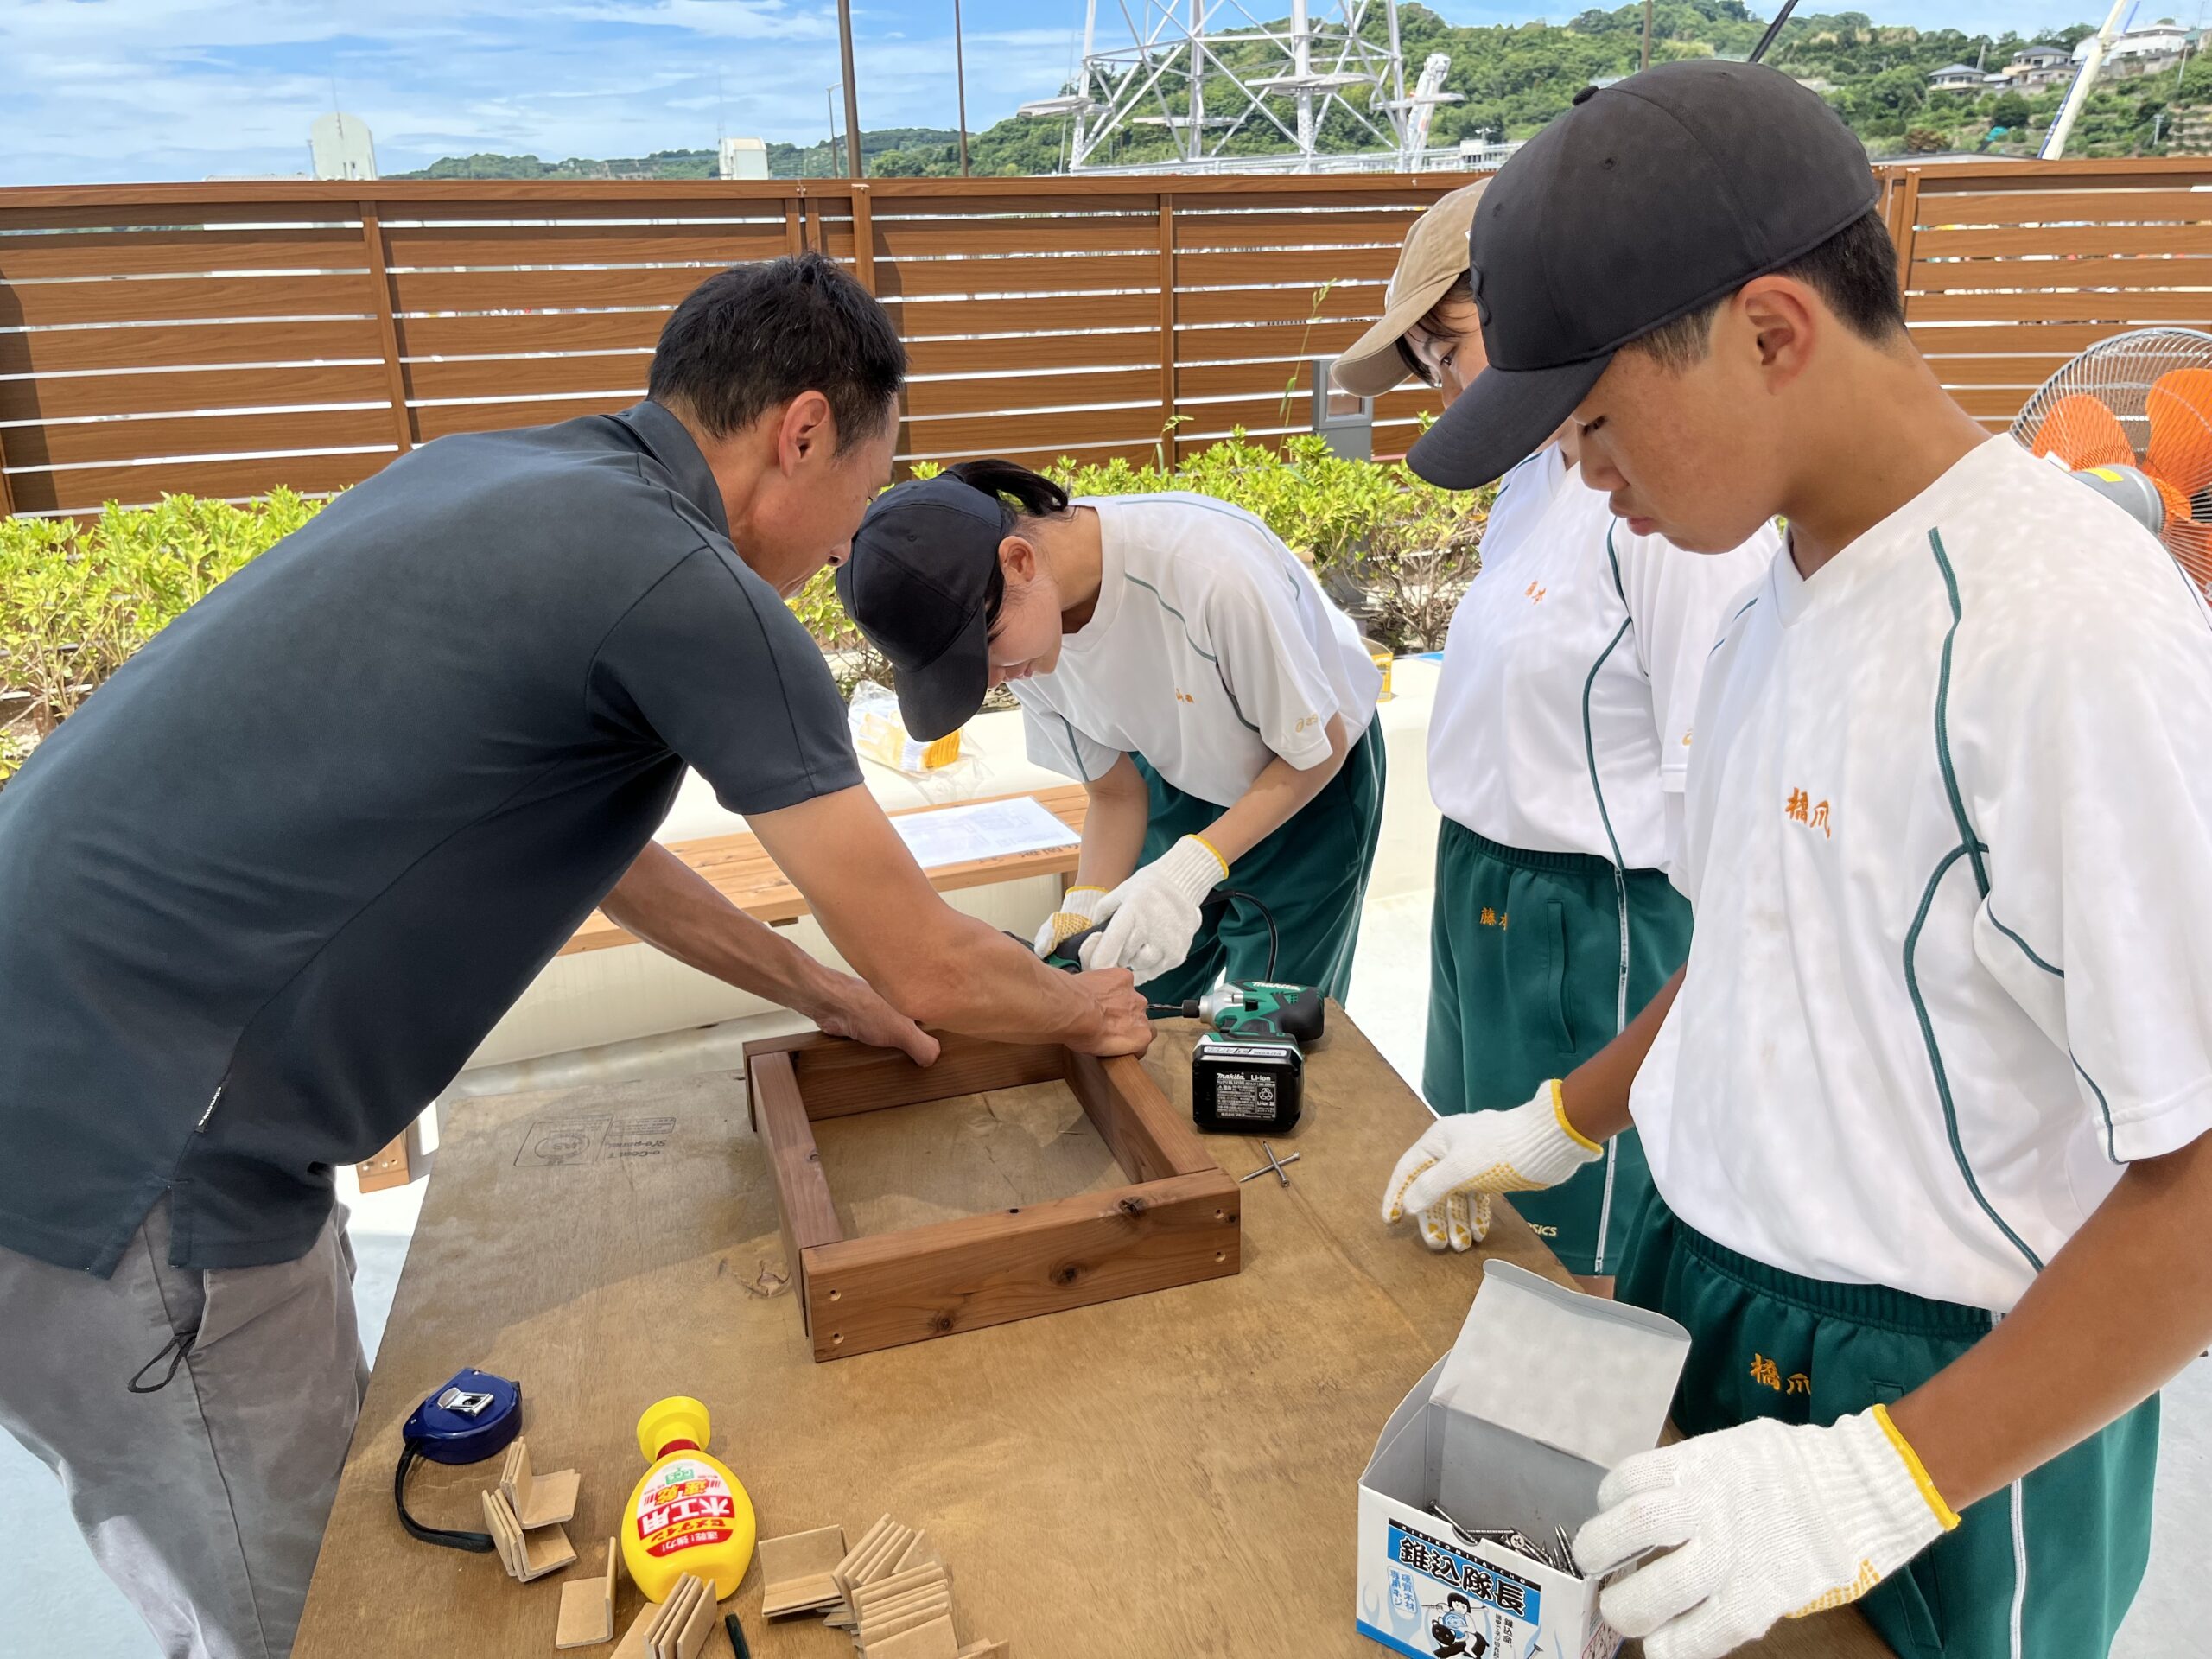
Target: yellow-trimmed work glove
{"points": [[1761, 1522], [1077, 905], [1151, 917], [1448, 1177]]}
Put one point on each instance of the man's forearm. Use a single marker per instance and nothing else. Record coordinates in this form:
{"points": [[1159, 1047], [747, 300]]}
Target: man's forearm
{"points": [[1595, 1094], [665, 902], [2122, 1307]]}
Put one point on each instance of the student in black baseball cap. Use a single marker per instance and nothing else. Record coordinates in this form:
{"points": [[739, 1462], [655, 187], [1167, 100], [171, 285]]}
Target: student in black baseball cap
{"points": [[1172, 655], [1926, 1111]]}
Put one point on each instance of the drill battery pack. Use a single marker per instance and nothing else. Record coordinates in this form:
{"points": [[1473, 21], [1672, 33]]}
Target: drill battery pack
{"points": [[1246, 1085]]}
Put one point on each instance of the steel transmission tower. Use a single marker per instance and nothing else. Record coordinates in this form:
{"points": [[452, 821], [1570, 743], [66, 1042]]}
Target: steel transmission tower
{"points": [[1209, 70]]}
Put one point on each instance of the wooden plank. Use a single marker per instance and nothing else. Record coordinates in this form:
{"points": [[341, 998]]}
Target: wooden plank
{"points": [[2007, 241], [60, 397], [948, 319], [178, 250], [2010, 338], [967, 436], [388, 1168], [1013, 353], [929, 399], [516, 377], [2132, 305], [95, 209], [7, 491], [1035, 273], [516, 291], [442, 420], [1257, 378], [1147, 1137], [1067, 233], [71, 443], [608, 1283], [1220, 343], [561, 332], [864, 248], [1353, 301], [737, 867], [1255, 268], [508, 247], [1202, 229], [164, 346], [866, 1294], [1272, 412], [1940, 208], [779, 1113], [1137, 451], [146, 299], [2029, 371], [1995, 403], [89, 487], [2156, 271], [1901, 204], [379, 284], [836, 1079]]}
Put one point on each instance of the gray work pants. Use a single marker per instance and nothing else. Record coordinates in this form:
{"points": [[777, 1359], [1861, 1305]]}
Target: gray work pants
{"points": [[204, 1499]]}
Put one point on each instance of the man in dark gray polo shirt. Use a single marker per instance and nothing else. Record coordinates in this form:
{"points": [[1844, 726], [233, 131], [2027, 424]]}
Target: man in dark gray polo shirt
{"points": [[264, 894]]}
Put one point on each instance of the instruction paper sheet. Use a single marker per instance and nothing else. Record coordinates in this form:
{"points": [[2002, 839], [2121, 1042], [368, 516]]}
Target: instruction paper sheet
{"points": [[960, 835]]}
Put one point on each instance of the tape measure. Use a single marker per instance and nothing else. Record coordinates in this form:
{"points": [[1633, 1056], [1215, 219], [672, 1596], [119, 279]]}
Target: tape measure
{"points": [[475, 1416]]}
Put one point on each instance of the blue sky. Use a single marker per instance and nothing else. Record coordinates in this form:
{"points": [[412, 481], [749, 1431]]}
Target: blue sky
{"points": [[133, 90]]}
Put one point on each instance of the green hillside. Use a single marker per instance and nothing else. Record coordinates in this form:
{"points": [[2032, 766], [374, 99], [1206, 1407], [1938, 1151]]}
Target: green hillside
{"points": [[1512, 79]]}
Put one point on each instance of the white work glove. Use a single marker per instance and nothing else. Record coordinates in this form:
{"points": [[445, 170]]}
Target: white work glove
{"points": [[1761, 1522], [1077, 912], [1448, 1177], [1151, 917]]}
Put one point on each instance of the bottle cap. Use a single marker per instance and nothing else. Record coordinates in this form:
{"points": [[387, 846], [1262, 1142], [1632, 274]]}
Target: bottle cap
{"points": [[677, 1418]]}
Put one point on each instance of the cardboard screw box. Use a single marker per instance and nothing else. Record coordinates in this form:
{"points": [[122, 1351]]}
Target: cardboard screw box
{"points": [[1545, 1391]]}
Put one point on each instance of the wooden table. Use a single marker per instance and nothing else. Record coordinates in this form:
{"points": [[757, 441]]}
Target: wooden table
{"points": [[1171, 1475], [742, 873]]}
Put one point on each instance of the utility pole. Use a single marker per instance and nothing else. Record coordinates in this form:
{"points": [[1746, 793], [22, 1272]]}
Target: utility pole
{"points": [[854, 168], [1646, 63], [829, 149], [960, 79]]}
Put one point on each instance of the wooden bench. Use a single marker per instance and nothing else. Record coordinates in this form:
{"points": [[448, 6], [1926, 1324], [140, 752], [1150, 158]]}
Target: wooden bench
{"points": [[743, 874]]}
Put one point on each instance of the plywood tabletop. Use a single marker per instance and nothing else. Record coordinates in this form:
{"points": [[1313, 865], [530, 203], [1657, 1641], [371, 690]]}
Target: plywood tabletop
{"points": [[1173, 1474], [738, 869]]}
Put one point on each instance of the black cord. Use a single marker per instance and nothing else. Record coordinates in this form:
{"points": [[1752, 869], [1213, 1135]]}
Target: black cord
{"points": [[477, 1542], [1781, 16], [1223, 895]]}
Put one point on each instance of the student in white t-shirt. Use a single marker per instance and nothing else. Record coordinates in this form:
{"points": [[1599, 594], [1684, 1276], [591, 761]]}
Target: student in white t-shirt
{"points": [[1926, 1111], [1556, 753], [1173, 656]]}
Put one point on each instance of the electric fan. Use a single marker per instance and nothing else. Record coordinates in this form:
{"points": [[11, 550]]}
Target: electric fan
{"points": [[2132, 418]]}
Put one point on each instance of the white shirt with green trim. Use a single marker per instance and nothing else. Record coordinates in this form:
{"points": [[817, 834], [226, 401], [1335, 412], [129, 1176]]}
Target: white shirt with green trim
{"points": [[1563, 716], [1949, 838], [1212, 651]]}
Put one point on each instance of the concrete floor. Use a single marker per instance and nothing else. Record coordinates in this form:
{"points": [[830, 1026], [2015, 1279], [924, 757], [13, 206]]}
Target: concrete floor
{"points": [[59, 1604]]}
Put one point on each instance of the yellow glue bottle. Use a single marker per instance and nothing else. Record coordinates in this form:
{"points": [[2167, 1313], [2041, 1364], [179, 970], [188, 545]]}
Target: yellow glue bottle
{"points": [[689, 1514]]}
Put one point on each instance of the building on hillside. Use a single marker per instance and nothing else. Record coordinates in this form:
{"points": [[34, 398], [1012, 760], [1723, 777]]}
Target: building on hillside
{"points": [[341, 147], [2142, 51], [743, 158], [1956, 78], [2033, 68]]}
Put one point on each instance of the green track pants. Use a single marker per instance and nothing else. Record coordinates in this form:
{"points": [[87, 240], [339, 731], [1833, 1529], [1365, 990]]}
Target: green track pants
{"points": [[1311, 875], [2042, 1570], [1536, 961]]}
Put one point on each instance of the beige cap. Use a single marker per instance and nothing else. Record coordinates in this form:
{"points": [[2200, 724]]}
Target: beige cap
{"points": [[1435, 256]]}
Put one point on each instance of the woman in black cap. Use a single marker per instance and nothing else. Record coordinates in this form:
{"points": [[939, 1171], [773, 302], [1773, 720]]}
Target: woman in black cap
{"points": [[1171, 653]]}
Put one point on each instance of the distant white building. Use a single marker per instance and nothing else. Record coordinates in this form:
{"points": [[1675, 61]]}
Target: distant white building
{"points": [[744, 158], [341, 147], [2035, 67], [1956, 78], [2160, 42]]}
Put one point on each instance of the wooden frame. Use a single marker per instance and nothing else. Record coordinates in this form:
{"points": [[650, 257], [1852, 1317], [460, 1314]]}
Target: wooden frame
{"points": [[1177, 1221]]}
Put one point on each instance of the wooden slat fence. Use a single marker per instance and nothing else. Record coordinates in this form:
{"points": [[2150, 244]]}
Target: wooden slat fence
{"points": [[225, 338]]}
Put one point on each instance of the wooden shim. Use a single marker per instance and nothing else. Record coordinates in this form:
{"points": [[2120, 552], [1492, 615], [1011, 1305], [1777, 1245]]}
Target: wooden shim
{"points": [[796, 1570], [1147, 1136], [935, 1597], [546, 1549], [866, 1294], [935, 1640], [637, 1641], [587, 1612], [537, 1500], [919, 1553], [898, 1584], [497, 1522], [909, 1615], [984, 1651], [668, 1628], [698, 1621]]}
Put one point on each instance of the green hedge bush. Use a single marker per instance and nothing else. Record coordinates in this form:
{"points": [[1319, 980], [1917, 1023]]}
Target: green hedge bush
{"points": [[76, 599]]}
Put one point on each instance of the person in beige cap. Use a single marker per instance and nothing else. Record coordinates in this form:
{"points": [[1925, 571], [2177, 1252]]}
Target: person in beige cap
{"points": [[1557, 753]]}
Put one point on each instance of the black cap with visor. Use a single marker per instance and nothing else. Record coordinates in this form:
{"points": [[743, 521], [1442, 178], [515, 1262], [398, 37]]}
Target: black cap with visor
{"points": [[1647, 200], [924, 584]]}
